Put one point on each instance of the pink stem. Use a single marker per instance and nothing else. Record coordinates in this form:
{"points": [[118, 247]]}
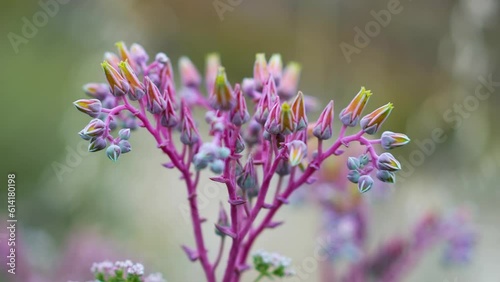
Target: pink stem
{"points": [[191, 187], [292, 186]]}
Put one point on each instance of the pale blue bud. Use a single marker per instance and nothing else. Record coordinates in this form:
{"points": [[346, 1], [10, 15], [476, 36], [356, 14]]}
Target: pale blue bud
{"points": [[353, 176], [217, 166], [386, 176], [124, 146], [113, 152], [365, 183], [352, 163]]}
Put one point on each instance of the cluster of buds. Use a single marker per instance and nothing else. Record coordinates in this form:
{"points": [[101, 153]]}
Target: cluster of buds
{"points": [[125, 271], [272, 265], [275, 137]]}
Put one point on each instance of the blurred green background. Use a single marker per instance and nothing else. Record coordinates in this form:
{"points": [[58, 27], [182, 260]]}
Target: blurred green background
{"points": [[428, 60]]}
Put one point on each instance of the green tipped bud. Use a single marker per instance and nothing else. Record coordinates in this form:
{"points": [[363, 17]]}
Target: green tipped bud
{"points": [[113, 152]]}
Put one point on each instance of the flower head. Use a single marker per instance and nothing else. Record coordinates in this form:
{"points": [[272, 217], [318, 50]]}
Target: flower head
{"points": [[212, 68], [289, 81], [189, 132], [97, 90], [324, 129], [365, 183], [118, 85], [222, 93], [372, 122], [351, 114], [239, 114], [260, 71], [155, 100], [189, 74], [94, 128], [297, 152], [136, 87], [91, 107], [275, 67], [391, 140], [387, 161], [299, 111]]}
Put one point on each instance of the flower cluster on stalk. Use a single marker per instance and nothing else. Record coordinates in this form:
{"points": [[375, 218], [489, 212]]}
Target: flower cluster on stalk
{"points": [[274, 137], [122, 271]]}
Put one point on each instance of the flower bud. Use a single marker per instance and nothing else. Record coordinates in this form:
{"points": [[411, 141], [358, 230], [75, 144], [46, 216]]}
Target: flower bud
{"points": [[124, 133], [112, 59], [289, 81], [217, 166], [252, 134], [386, 161], [117, 84], [81, 133], [96, 90], [189, 74], [272, 124], [352, 163], [136, 87], [113, 152], [212, 65], [223, 153], [94, 128], [189, 132], [260, 71], [138, 53], [286, 120], [97, 144], [248, 177], [240, 145], [239, 114], [155, 101], [283, 168], [297, 152], [91, 107], [353, 176], [372, 122], [125, 54], [222, 94], [200, 161], [125, 146], [351, 114], [169, 116], [365, 183], [323, 129], [390, 140], [364, 160], [386, 176], [248, 87], [223, 220], [299, 111], [263, 108], [275, 67]]}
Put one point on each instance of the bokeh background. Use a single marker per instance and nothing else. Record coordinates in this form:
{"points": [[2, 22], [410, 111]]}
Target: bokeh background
{"points": [[75, 207]]}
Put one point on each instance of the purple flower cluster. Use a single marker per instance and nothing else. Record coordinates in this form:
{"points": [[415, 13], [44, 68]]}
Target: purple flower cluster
{"points": [[345, 231], [274, 138]]}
